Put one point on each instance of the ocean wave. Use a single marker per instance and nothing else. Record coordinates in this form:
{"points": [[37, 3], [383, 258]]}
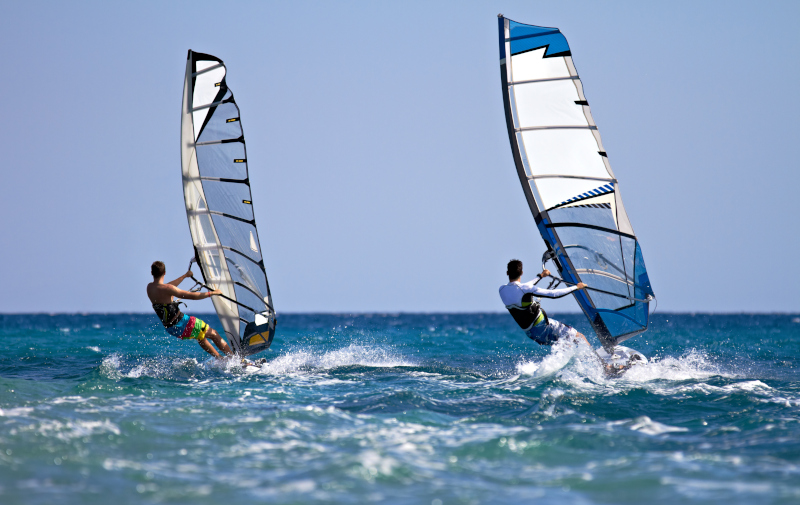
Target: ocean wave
{"points": [[297, 362], [16, 412], [692, 365], [566, 361], [116, 367], [69, 430], [579, 365], [109, 367], [644, 424], [300, 361]]}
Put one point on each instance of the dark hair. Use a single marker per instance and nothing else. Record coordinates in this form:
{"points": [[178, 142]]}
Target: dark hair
{"points": [[514, 269], [158, 269]]}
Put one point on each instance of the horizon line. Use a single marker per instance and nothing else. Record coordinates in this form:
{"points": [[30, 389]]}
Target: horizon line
{"points": [[395, 313]]}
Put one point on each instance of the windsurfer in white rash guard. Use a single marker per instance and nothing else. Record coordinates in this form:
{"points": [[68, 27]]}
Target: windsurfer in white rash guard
{"points": [[520, 300]]}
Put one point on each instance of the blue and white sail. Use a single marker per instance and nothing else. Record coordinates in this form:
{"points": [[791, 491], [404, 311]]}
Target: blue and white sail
{"points": [[568, 182], [219, 205]]}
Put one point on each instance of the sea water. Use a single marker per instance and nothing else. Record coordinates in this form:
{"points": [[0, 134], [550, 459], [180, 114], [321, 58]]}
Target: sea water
{"points": [[398, 408]]}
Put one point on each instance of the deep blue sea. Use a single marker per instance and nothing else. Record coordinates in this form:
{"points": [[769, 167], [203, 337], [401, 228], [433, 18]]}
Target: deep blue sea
{"points": [[432, 409]]}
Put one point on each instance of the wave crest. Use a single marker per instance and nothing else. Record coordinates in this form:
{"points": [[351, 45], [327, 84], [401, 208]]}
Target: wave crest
{"points": [[352, 355]]}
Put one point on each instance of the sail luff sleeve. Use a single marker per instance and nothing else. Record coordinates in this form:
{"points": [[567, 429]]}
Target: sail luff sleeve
{"points": [[516, 150], [567, 179]]}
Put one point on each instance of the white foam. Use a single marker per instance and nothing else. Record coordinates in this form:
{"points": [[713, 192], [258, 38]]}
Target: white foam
{"points": [[691, 487], [226, 364], [574, 364], [755, 385], [16, 412], [250, 419], [782, 400], [120, 464], [580, 368], [691, 365], [161, 368], [137, 372], [110, 366], [93, 348], [299, 361], [644, 424], [374, 464], [676, 390], [299, 486], [115, 368], [76, 429], [73, 399], [557, 359]]}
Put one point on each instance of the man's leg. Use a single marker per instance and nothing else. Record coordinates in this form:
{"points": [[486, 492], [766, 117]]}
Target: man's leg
{"points": [[556, 330], [207, 347], [581, 335], [218, 341]]}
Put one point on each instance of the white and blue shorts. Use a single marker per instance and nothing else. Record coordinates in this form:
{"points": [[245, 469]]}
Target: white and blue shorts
{"points": [[547, 333]]}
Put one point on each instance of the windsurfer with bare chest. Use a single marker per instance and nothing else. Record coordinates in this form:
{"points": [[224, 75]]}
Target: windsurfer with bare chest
{"points": [[178, 324]]}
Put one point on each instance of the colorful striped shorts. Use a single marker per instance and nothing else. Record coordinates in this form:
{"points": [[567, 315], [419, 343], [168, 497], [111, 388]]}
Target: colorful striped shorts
{"points": [[189, 327]]}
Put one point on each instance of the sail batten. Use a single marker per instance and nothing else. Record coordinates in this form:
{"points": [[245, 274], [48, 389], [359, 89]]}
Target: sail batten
{"points": [[558, 127], [547, 79], [562, 176], [207, 69], [565, 174], [219, 205], [206, 106]]}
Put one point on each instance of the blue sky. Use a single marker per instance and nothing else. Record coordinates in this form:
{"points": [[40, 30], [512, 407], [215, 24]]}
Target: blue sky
{"points": [[381, 172]]}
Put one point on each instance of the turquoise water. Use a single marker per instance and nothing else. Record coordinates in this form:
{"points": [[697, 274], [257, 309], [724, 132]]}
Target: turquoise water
{"points": [[406, 409]]}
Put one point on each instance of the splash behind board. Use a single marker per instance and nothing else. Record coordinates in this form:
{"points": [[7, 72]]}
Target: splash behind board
{"points": [[621, 359]]}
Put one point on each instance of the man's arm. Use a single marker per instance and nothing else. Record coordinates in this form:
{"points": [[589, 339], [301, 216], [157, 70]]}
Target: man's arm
{"points": [[529, 287], [180, 279], [191, 295]]}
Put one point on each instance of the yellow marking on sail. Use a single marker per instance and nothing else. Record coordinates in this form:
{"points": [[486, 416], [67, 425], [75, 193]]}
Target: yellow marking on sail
{"points": [[260, 338]]}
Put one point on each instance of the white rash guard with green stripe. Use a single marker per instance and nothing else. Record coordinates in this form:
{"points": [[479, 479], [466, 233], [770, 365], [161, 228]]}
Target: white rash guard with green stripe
{"points": [[517, 298]]}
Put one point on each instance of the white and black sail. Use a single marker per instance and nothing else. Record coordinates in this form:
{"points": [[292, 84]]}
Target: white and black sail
{"points": [[567, 179], [219, 206]]}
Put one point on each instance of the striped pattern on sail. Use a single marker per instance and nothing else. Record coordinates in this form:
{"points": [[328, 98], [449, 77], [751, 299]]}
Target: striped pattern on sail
{"points": [[567, 179], [602, 190], [219, 205]]}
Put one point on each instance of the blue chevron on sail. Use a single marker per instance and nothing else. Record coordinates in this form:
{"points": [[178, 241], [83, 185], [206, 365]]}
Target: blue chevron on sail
{"points": [[602, 190]]}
